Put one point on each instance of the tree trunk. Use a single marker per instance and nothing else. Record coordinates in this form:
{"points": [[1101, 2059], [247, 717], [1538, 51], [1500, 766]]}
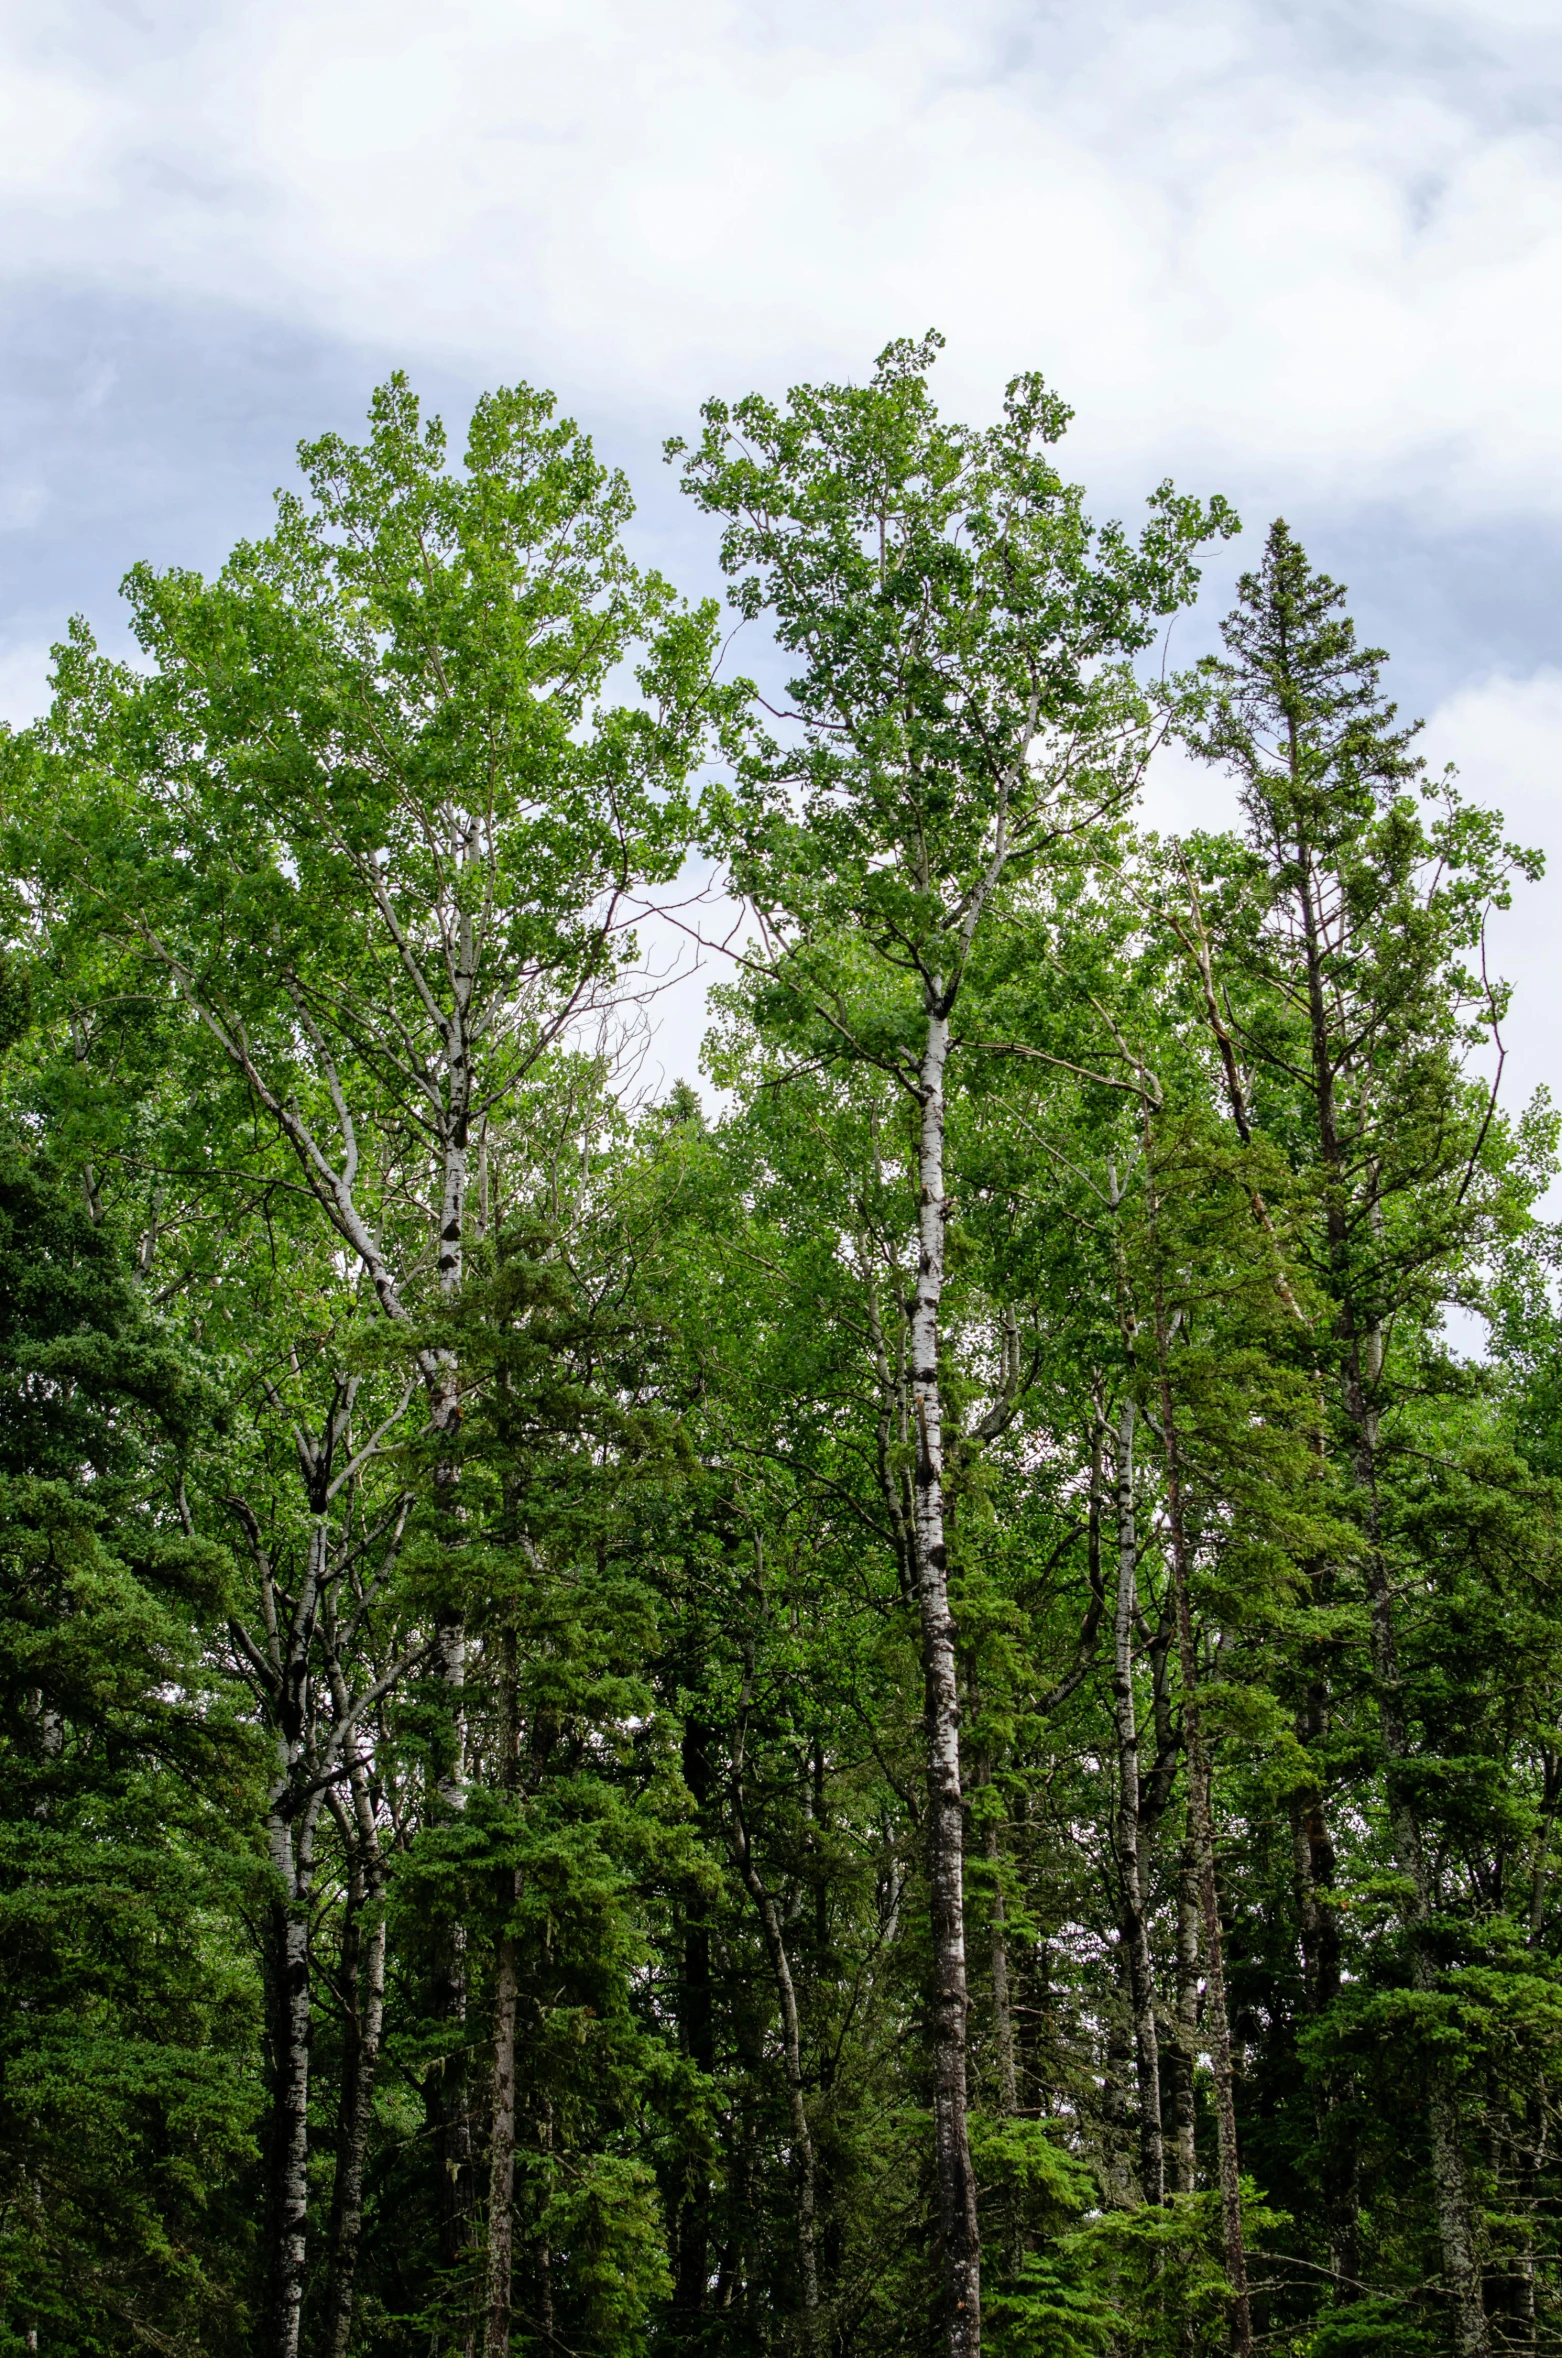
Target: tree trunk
{"points": [[501, 2141], [1183, 2055], [453, 2123], [1003, 2012], [1450, 2187], [363, 1992], [698, 2026], [1218, 2031], [1319, 1923], [366, 1993], [291, 1846], [1450, 2194], [1201, 1828], [1117, 2139], [958, 2231], [450, 2106], [545, 2316], [501, 2156], [290, 1823], [792, 2047], [1135, 1936]]}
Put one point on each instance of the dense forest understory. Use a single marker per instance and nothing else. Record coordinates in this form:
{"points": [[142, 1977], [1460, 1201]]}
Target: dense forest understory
{"points": [[913, 1708]]}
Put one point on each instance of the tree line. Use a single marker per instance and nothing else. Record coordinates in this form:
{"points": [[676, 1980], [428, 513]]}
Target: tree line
{"points": [[913, 1712]]}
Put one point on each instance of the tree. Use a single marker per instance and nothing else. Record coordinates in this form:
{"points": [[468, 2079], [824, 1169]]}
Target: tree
{"points": [[1358, 1008], [670, 1649], [962, 703], [128, 2081], [373, 821]]}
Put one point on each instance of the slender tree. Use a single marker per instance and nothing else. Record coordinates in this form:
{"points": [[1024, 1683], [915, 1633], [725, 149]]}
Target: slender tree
{"points": [[960, 705]]}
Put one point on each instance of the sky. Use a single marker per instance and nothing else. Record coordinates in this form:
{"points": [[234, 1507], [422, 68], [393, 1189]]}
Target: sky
{"points": [[1308, 255]]}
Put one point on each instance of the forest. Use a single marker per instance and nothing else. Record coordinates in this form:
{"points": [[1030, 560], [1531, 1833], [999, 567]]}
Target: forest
{"points": [[910, 1706]]}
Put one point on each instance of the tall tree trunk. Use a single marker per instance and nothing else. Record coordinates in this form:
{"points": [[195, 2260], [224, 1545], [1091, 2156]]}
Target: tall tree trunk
{"points": [[1450, 2185], [449, 2095], [357, 2118], [501, 2156], [290, 1824], [363, 1992], [1319, 1923], [545, 2317], [698, 2024], [1003, 2010], [1118, 2175], [501, 2141], [453, 2122], [804, 2162], [959, 2235], [1183, 2052], [1201, 1822], [1450, 2193], [450, 2104], [291, 1842], [1135, 1934]]}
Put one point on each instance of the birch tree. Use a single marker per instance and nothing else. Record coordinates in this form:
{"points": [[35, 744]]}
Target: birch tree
{"points": [[373, 818], [371, 815], [961, 704]]}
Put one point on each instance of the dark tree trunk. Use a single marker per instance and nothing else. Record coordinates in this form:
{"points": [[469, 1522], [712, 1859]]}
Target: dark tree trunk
{"points": [[501, 2135], [1003, 2011], [1320, 1945], [364, 1982], [693, 2224], [1201, 1828], [1183, 2049], [803, 2161], [501, 2156], [1135, 1933]]}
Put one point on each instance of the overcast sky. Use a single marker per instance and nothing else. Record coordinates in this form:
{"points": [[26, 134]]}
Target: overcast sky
{"points": [[1309, 255]]}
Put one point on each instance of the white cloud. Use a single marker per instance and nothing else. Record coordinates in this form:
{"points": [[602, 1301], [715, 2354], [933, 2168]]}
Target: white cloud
{"points": [[1312, 251], [1230, 242], [58, 137]]}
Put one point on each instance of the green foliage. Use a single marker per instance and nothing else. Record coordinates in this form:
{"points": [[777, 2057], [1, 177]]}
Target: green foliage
{"points": [[128, 2083], [447, 1502], [605, 2225]]}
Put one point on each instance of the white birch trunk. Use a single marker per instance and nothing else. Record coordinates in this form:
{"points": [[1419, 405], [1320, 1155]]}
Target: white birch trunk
{"points": [[292, 1847], [958, 2231]]}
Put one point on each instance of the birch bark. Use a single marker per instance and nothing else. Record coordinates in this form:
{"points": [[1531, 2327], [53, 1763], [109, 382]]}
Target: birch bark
{"points": [[959, 2234], [291, 1812], [363, 1975]]}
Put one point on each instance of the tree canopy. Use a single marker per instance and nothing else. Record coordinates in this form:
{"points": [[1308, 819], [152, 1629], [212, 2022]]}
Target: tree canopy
{"points": [[911, 1709]]}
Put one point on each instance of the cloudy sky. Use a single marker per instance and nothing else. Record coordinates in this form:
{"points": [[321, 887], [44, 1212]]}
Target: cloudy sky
{"points": [[1310, 255]]}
